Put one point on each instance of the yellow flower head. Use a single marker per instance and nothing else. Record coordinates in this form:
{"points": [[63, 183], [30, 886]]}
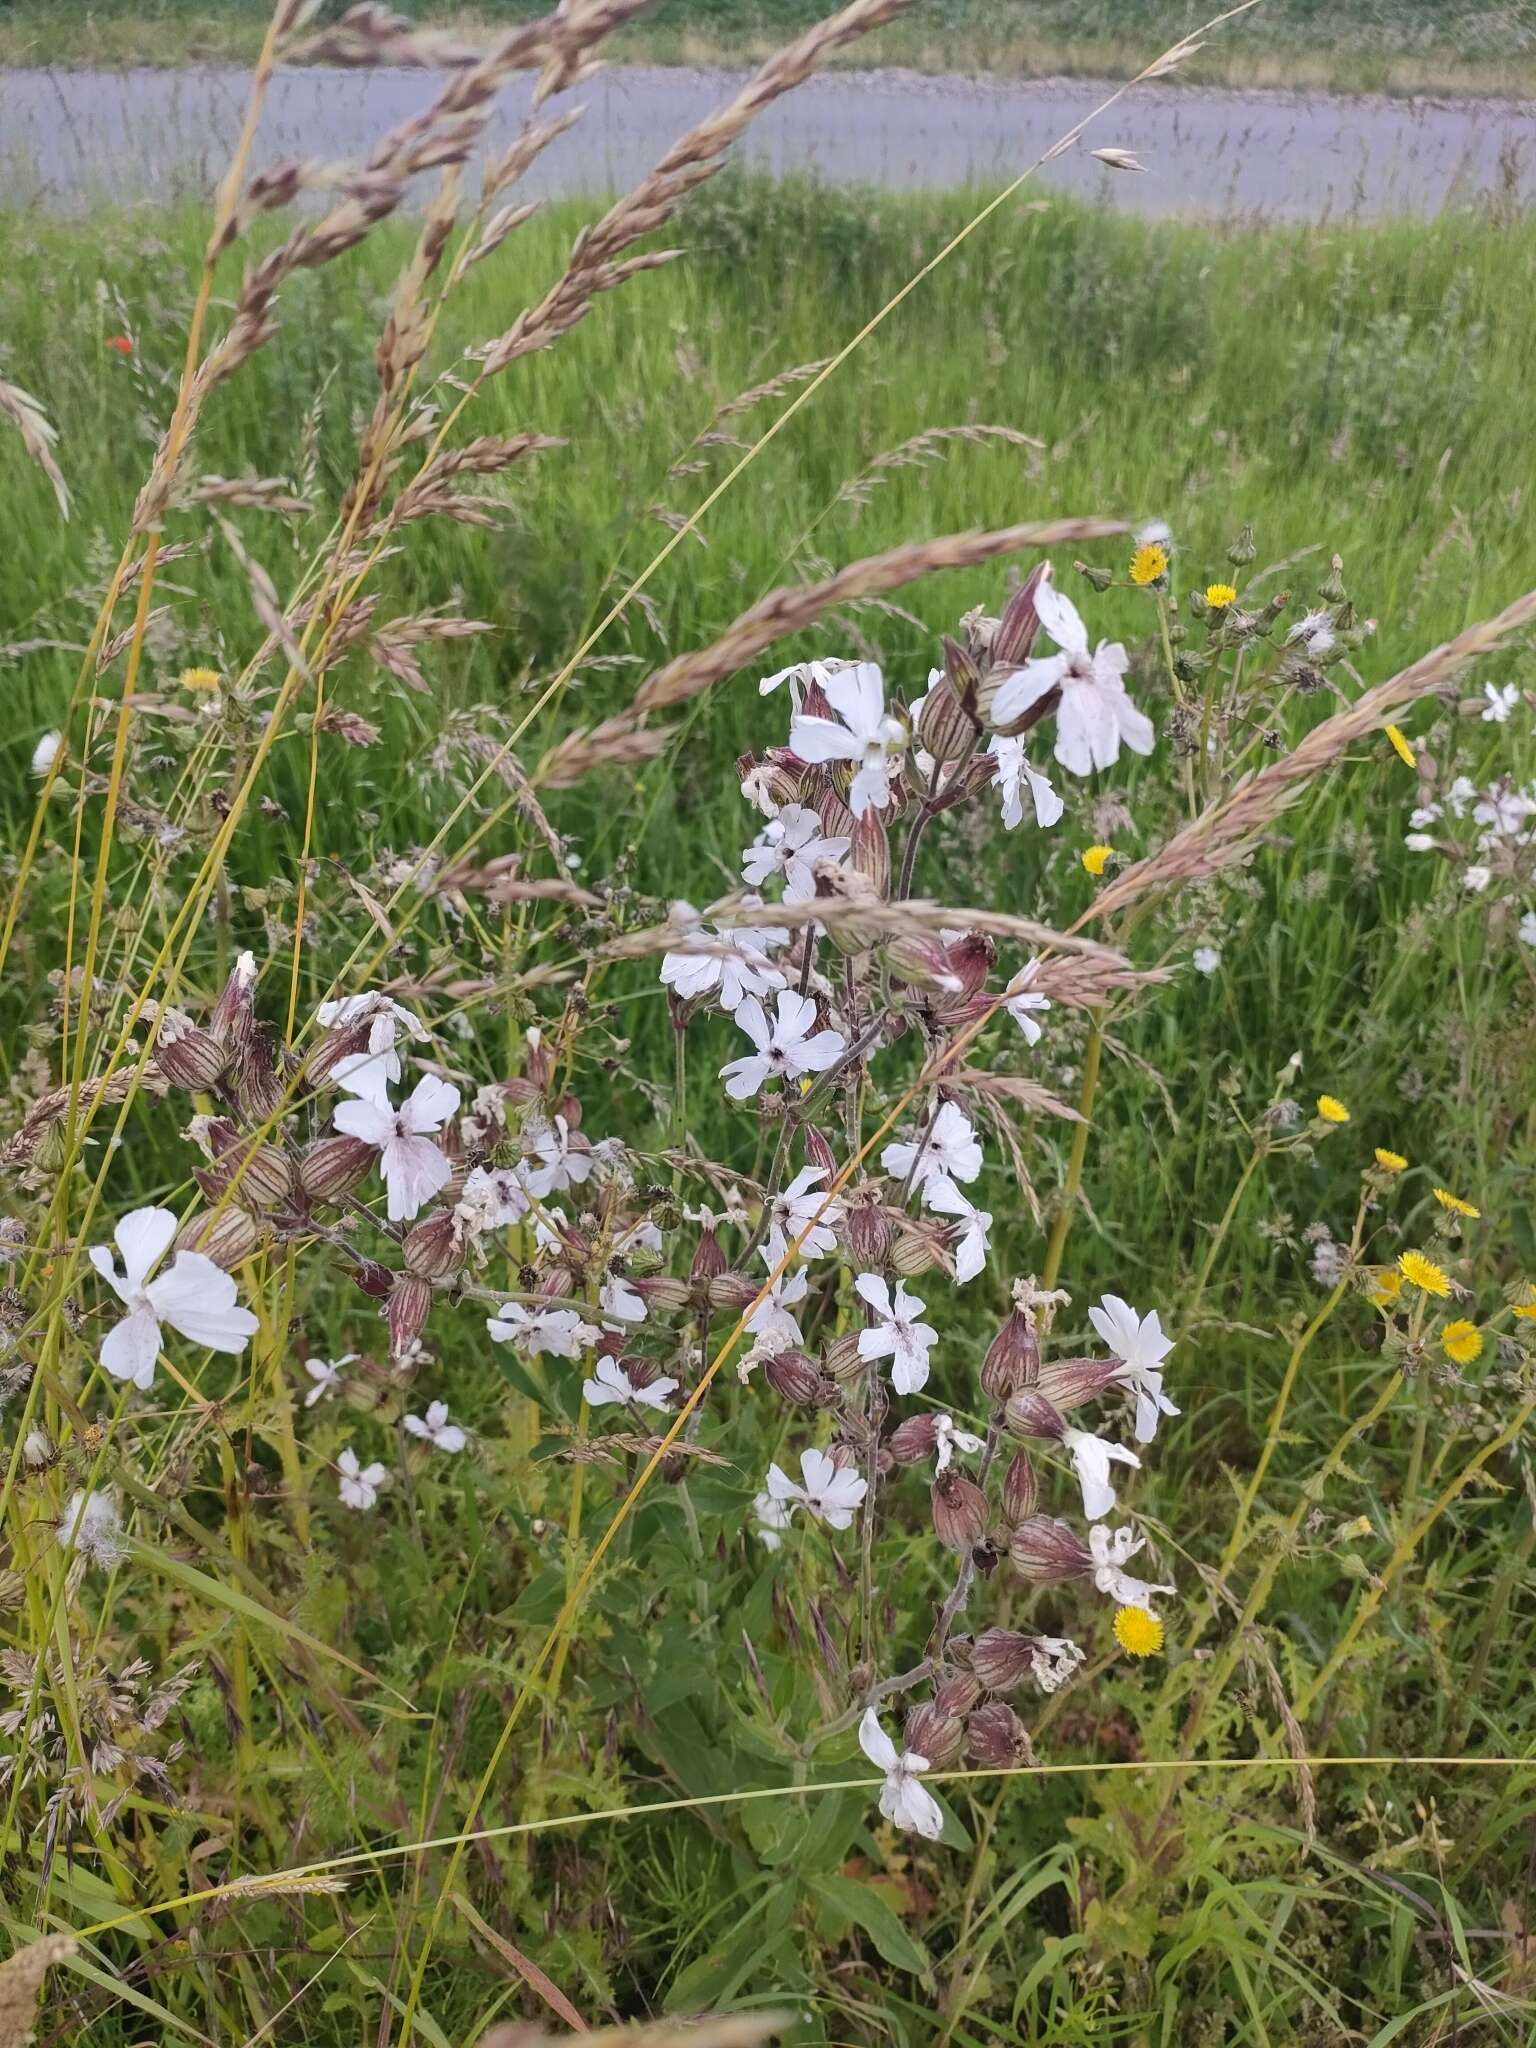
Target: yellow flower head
{"points": [[1138, 1633], [1389, 1162], [1097, 858], [1389, 1285], [1149, 564], [200, 679], [1424, 1274], [1401, 748], [1461, 1341], [1455, 1204], [1331, 1110], [1525, 1309], [1219, 595]]}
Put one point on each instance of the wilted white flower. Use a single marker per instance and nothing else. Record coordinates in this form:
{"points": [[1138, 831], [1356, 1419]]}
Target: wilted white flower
{"points": [[867, 734], [1501, 702], [560, 1158], [947, 1439], [734, 966], [359, 1484], [1053, 1660], [897, 1332], [1095, 714], [902, 1798], [831, 1492], [1140, 1346], [1015, 776], [1476, 878], [414, 1169], [791, 1210], [949, 1147], [1091, 1459], [971, 1249], [1111, 1550], [560, 1332], [1024, 1004], [788, 1048], [1205, 959], [45, 753], [435, 1428], [326, 1374], [389, 1020], [92, 1528], [196, 1297], [493, 1198], [610, 1383], [790, 845]]}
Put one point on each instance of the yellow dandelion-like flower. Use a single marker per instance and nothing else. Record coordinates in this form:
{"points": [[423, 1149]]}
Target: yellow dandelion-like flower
{"points": [[1149, 564], [1389, 1285], [1424, 1274], [200, 679], [1401, 748], [1461, 1341], [1455, 1204], [1331, 1110], [1138, 1633], [1219, 595], [1526, 1309], [1389, 1162], [1097, 858]]}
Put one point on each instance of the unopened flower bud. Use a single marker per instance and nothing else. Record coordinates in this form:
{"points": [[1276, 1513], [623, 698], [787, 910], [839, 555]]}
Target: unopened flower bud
{"points": [[709, 1261], [1067, 1382], [844, 891], [924, 961], [913, 1440], [945, 728], [663, 1291], [818, 1152], [234, 1015], [334, 1167], [1331, 590], [260, 1175], [959, 1512], [917, 1245], [1021, 1489], [1020, 622], [934, 1734], [1029, 1414], [1242, 550], [869, 1234], [1047, 1553], [870, 853], [841, 1358], [794, 1377], [1001, 1658], [406, 1312], [228, 1236], [998, 1739], [1095, 577], [955, 1692], [258, 1085], [732, 1290], [1012, 1360], [434, 1248], [186, 1056]]}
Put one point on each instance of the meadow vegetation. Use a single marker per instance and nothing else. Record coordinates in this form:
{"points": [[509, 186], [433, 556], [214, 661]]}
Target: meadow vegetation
{"points": [[1287, 1806]]}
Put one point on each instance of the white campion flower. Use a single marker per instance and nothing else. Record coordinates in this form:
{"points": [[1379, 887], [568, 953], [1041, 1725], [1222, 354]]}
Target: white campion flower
{"points": [[45, 753], [1460, 794], [1015, 776], [610, 1384], [389, 1021], [1053, 1660], [797, 675], [1111, 1551], [91, 1527], [772, 1518], [948, 1438], [559, 1332], [773, 1322], [791, 1210], [493, 1198], [196, 1297], [1024, 1004], [1091, 1458], [1476, 878], [1139, 1344], [1506, 811], [326, 1374], [867, 734], [435, 1428], [619, 1299], [1419, 842], [1528, 929], [831, 1492], [786, 1049], [970, 1251], [902, 1798], [414, 1169], [1500, 703], [949, 1147], [790, 845], [358, 1484], [1205, 959], [1095, 716], [559, 1159], [728, 962], [897, 1332]]}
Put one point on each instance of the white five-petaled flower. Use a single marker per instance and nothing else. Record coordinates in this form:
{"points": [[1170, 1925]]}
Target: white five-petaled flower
{"points": [[610, 1383], [970, 1252], [792, 1209], [773, 1322], [1091, 1459], [902, 1798], [786, 1049], [797, 675], [728, 962], [196, 1297], [949, 1147], [435, 1428], [897, 1332], [1139, 1344], [558, 1331], [620, 1300], [1024, 1003], [947, 1439], [1095, 714], [414, 1169], [388, 1020], [1111, 1549], [326, 1374], [1500, 702], [560, 1159], [790, 845], [92, 1529], [359, 1484], [772, 1517], [1015, 775], [831, 1492], [863, 732], [1205, 959], [492, 1199]]}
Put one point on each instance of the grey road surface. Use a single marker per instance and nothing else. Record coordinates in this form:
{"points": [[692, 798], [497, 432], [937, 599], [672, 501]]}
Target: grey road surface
{"points": [[68, 138]]}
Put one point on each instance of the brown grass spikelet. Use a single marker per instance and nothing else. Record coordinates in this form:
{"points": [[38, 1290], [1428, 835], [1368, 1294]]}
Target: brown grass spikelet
{"points": [[38, 437], [21, 1979]]}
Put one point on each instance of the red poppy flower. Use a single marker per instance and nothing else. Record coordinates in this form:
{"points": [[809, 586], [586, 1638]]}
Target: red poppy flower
{"points": [[121, 343]]}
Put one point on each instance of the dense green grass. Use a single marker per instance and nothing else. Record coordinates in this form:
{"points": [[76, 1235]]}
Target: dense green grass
{"points": [[1360, 393], [1367, 45]]}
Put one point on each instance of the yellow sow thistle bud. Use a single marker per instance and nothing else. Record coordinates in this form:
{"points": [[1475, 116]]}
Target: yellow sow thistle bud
{"points": [[1455, 1204], [1390, 1162]]}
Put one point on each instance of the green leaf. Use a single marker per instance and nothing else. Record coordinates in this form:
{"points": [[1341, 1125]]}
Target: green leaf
{"points": [[849, 1900]]}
